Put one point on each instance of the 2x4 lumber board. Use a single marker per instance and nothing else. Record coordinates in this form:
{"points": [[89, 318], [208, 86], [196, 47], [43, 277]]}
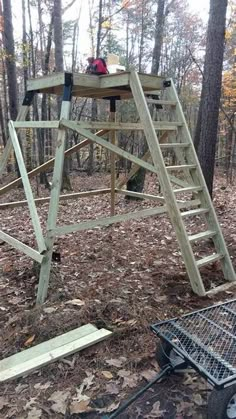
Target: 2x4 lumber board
{"points": [[33, 254], [36, 124], [62, 346], [27, 189], [203, 235], [204, 196], [171, 203], [88, 225], [54, 202], [119, 126], [140, 195], [117, 150], [114, 80], [209, 259], [220, 288], [65, 197], [40, 83], [152, 82], [45, 166], [85, 81], [8, 148], [162, 102]]}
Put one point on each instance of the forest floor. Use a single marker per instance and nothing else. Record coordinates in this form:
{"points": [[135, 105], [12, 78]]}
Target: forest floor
{"points": [[124, 278]]}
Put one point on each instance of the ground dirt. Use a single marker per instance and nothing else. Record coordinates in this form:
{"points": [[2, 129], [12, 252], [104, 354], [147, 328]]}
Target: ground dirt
{"points": [[123, 277]]}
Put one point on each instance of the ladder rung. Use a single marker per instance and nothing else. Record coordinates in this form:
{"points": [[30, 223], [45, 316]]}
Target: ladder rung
{"points": [[201, 236], [188, 189], [197, 211], [174, 145], [182, 166], [162, 102], [208, 259]]}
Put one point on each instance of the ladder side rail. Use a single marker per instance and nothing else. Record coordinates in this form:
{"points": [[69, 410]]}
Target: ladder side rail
{"points": [[171, 203], [204, 195]]}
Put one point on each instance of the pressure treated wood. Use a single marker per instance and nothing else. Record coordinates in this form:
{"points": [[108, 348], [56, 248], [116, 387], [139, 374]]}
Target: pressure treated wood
{"points": [[33, 254], [27, 188], [47, 165], [45, 353], [64, 197], [92, 86]]}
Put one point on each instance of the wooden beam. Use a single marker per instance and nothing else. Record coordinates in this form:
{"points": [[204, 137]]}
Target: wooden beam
{"points": [[54, 199], [140, 195], [129, 126], [36, 124], [27, 189], [52, 80], [106, 144], [45, 166], [65, 197], [33, 254], [31, 359], [88, 225]]}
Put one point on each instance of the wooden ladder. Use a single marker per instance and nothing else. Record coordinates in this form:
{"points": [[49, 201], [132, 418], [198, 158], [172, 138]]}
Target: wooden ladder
{"points": [[188, 165]]}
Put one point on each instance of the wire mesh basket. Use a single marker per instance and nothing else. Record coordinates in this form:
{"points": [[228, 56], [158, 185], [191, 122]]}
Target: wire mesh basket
{"points": [[206, 339]]}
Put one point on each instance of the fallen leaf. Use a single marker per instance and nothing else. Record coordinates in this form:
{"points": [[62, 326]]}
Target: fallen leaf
{"points": [[80, 407], [30, 403], [148, 374], [110, 408], [40, 386], [76, 302], [112, 388], [29, 340], [197, 399], [49, 310], [35, 413], [124, 373], [116, 362], [156, 412], [59, 399], [184, 407], [107, 374]]}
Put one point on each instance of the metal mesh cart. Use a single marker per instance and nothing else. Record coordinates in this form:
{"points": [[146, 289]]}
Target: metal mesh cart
{"points": [[206, 341]]}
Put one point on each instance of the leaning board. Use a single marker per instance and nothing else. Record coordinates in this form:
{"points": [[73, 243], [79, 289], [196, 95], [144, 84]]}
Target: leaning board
{"points": [[31, 359]]}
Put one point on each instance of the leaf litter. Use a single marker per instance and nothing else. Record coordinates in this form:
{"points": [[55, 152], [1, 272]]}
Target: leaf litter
{"points": [[120, 278]]}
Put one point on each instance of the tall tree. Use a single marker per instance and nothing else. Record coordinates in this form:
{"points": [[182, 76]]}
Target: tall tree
{"points": [[9, 46], [58, 41], [207, 123]]}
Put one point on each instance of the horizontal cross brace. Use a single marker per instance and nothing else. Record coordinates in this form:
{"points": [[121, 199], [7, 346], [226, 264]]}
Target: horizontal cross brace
{"points": [[88, 225], [62, 198]]}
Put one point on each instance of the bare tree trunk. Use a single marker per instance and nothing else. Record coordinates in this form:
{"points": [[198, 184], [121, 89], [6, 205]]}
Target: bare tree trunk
{"points": [[10, 59], [158, 37], [58, 41], [207, 123]]}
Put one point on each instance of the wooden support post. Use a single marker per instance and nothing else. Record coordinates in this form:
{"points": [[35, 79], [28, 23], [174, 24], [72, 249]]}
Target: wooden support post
{"points": [[27, 188], [112, 155], [55, 193]]}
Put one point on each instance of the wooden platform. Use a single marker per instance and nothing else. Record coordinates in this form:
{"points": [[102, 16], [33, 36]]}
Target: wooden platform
{"points": [[99, 87]]}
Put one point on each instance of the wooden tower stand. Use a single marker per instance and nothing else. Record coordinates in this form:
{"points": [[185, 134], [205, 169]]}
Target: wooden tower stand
{"points": [[185, 177]]}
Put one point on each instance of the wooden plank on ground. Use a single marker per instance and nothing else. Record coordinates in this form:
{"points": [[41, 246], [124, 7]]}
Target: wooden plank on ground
{"points": [[31, 359]]}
